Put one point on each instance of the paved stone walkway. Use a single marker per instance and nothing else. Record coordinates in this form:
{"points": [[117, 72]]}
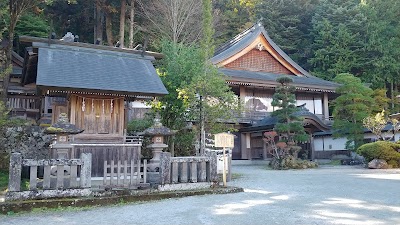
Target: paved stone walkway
{"points": [[327, 195]]}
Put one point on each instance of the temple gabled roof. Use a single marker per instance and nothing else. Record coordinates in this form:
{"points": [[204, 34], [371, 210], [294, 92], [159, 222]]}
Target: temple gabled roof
{"points": [[255, 36], [85, 68]]}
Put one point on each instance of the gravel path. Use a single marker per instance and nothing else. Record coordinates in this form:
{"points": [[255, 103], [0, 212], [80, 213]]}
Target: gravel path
{"points": [[328, 195]]}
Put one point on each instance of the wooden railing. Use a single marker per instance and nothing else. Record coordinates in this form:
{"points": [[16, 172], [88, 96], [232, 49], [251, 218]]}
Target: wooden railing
{"points": [[192, 169], [58, 175], [23, 103], [134, 139], [124, 175]]}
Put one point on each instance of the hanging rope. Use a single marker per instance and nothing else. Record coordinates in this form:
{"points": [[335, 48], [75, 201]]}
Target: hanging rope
{"points": [[111, 105], [103, 102], [83, 104]]}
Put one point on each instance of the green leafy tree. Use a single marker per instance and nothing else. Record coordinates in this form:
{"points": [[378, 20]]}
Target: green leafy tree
{"points": [[33, 25], [182, 72], [381, 101], [382, 45], [207, 41], [289, 125], [232, 17], [337, 32], [288, 22], [350, 109], [376, 123]]}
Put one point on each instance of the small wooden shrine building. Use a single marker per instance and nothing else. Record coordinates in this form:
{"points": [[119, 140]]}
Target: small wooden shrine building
{"points": [[93, 84], [252, 62]]}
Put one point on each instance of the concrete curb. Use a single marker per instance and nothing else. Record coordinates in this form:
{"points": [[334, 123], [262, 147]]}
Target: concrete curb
{"points": [[112, 199]]}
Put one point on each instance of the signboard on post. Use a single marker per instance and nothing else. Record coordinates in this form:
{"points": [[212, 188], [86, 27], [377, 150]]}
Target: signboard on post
{"points": [[224, 140]]}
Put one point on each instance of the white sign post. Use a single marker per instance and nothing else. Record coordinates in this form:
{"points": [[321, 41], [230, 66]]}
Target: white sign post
{"points": [[224, 140]]}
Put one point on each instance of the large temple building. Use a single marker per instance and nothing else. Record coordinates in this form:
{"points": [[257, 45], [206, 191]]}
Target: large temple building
{"points": [[252, 62]]}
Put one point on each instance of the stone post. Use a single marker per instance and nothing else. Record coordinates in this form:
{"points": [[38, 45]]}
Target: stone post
{"points": [[14, 182], [213, 167], [165, 168], [86, 170]]}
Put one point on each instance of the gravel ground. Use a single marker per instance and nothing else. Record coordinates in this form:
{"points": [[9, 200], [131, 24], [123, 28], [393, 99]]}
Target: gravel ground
{"points": [[328, 195]]}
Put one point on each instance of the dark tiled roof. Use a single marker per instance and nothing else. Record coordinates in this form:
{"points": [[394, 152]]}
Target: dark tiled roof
{"points": [[243, 40], [74, 67], [271, 77], [270, 121]]}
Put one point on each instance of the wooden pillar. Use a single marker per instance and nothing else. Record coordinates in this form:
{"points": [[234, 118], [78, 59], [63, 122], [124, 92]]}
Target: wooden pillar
{"points": [[243, 148], [326, 106], [242, 93], [264, 150], [121, 117], [73, 109], [312, 147]]}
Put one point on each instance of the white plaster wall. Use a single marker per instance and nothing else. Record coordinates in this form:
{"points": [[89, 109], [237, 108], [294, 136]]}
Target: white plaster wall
{"points": [[318, 143], [140, 105], [397, 136], [327, 143]]}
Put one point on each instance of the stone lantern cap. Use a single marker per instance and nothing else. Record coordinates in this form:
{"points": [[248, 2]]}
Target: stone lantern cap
{"points": [[62, 126], [158, 129]]}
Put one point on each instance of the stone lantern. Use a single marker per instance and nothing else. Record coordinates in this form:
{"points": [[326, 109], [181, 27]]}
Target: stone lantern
{"points": [[157, 132], [62, 129]]}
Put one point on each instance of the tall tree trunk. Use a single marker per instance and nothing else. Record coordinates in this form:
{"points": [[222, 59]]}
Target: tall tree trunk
{"points": [[14, 16], [131, 22], [109, 29], [99, 20], [122, 23], [392, 93]]}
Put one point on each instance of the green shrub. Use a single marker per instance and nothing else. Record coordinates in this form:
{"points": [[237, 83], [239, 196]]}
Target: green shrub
{"points": [[381, 150], [184, 143], [139, 125], [290, 162], [3, 180]]}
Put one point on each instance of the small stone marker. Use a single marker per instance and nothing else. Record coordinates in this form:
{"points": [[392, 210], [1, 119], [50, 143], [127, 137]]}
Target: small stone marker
{"points": [[224, 140]]}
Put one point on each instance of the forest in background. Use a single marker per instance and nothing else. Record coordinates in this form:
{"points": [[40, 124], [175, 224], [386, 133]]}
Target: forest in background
{"points": [[326, 37]]}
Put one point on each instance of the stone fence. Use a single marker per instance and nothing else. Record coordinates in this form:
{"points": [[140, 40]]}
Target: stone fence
{"points": [[60, 177], [190, 172]]}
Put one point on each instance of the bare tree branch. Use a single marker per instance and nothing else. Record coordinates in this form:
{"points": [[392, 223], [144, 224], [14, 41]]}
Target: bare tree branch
{"points": [[177, 20]]}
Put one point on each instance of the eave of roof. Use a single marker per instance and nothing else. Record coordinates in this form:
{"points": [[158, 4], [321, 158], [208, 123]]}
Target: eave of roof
{"points": [[29, 39], [388, 127], [252, 78], [269, 122], [244, 39]]}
